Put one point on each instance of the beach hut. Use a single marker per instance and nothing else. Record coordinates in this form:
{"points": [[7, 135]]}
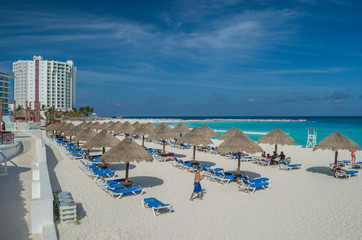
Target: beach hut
{"points": [[180, 129], [239, 142], [163, 132], [196, 138], [102, 140], [277, 137], [207, 131], [229, 133], [127, 151], [143, 129], [335, 142]]}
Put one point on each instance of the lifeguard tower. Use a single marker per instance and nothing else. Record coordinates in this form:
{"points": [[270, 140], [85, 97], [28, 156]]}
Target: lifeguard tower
{"points": [[312, 137]]}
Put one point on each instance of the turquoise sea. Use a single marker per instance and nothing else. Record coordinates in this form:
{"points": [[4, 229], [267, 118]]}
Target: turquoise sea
{"points": [[349, 126]]}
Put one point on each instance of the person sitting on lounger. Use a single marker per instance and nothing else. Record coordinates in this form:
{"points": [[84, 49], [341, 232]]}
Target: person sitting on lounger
{"points": [[197, 185], [268, 158], [282, 156]]}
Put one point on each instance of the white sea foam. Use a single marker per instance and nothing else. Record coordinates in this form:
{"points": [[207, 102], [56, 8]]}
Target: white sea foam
{"points": [[246, 132]]}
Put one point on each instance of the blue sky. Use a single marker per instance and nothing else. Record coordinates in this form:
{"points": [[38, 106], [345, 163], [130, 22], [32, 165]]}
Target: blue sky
{"points": [[203, 58]]}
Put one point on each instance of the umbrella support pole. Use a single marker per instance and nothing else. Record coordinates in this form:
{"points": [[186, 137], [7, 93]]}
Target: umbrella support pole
{"points": [[143, 140], [276, 149], [335, 162], [127, 167], [164, 145], [194, 157], [238, 170]]}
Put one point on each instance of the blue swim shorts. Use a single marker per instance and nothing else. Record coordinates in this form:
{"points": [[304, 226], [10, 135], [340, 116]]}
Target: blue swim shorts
{"points": [[197, 187]]}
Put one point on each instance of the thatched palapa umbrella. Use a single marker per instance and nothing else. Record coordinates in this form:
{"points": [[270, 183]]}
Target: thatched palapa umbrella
{"points": [[125, 128], [229, 133], [143, 130], [127, 151], [180, 129], [151, 126], [336, 141], [102, 140], [238, 143], [163, 132], [72, 132], [84, 135], [207, 131], [277, 137], [136, 124], [96, 125], [195, 137]]}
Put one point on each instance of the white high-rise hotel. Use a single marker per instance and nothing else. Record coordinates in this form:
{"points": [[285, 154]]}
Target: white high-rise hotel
{"points": [[52, 83]]}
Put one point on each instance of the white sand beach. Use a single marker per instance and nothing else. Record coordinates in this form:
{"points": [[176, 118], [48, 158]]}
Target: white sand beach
{"points": [[302, 204]]}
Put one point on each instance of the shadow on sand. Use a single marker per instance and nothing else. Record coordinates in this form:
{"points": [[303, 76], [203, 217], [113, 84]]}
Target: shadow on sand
{"points": [[320, 170], [121, 166], [52, 163], [81, 213], [203, 163], [146, 182]]}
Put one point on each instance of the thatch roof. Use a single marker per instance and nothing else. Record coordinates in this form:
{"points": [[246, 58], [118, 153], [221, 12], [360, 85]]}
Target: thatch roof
{"points": [[82, 124], [277, 137], [181, 128], [66, 127], [85, 135], [20, 114], [52, 127], [113, 126], [102, 139], [337, 141], [229, 133], [143, 129], [195, 137], [73, 131], [127, 151], [207, 131], [239, 142], [95, 125], [88, 124], [163, 132], [125, 128], [151, 126], [136, 124]]}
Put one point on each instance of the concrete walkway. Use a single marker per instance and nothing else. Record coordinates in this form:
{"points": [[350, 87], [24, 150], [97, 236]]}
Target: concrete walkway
{"points": [[15, 192]]}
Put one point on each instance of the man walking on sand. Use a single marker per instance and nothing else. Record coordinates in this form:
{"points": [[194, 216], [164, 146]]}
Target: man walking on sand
{"points": [[197, 185]]}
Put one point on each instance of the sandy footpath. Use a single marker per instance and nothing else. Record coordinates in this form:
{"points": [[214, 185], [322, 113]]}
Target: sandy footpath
{"points": [[302, 204]]}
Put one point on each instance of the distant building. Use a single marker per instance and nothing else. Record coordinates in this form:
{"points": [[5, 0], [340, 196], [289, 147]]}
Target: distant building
{"points": [[5, 91], [50, 82]]}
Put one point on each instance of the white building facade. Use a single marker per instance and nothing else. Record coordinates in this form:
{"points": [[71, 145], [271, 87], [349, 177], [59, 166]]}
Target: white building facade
{"points": [[52, 83]]}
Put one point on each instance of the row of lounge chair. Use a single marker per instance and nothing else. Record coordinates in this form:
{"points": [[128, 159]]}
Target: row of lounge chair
{"points": [[106, 178]]}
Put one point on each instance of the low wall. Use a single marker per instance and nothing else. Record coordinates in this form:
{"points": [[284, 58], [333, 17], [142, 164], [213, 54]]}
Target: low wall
{"points": [[22, 126], [42, 219]]}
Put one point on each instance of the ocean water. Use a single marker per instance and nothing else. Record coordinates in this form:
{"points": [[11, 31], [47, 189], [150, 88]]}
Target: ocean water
{"points": [[349, 126]]}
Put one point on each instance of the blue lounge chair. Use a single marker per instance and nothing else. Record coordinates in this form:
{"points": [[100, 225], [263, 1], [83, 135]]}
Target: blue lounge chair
{"points": [[156, 205], [255, 180], [347, 174], [119, 192], [250, 187], [283, 165]]}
